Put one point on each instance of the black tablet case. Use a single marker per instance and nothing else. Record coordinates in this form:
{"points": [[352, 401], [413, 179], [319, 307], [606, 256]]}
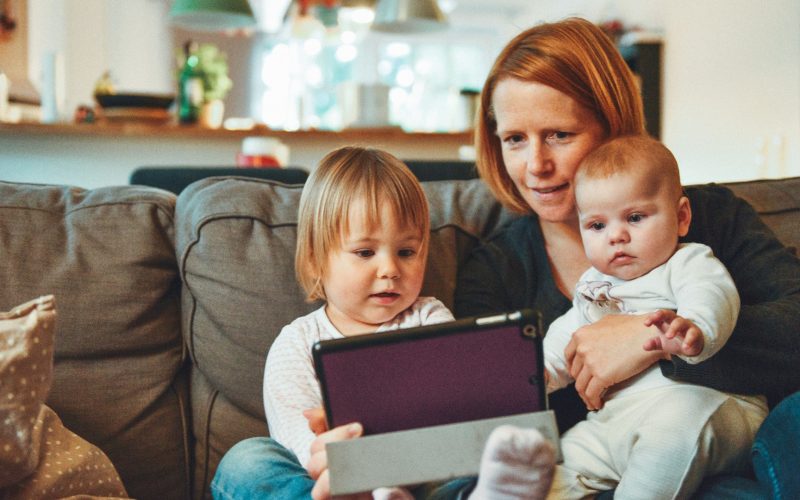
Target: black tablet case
{"points": [[470, 369]]}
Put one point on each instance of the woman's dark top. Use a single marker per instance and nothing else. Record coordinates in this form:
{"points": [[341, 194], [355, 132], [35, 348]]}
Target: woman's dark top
{"points": [[511, 271]]}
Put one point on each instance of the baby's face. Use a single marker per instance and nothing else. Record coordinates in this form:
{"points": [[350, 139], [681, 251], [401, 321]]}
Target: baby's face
{"points": [[629, 224], [374, 274]]}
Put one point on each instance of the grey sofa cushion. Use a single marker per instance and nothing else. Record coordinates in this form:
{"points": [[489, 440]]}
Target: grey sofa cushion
{"points": [[108, 257], [778, 204], [235, 243]]}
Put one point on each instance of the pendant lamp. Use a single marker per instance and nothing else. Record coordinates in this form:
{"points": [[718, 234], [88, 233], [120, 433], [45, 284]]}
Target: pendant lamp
{"points": [[212, 15], [408, 16]]}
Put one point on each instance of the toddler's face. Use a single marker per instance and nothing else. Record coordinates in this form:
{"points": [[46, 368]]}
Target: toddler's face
{"points": [[628, 224], [375, 274]]}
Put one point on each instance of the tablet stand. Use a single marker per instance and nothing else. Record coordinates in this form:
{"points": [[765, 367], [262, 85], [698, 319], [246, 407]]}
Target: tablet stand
{"points": [[422, 455]]}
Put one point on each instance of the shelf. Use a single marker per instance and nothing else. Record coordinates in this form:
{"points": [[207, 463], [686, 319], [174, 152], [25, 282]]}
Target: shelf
{"points": [[146, 130]]}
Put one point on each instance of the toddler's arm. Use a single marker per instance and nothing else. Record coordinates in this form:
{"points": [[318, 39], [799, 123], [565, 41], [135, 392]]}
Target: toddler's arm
{"points": [[290, 388], [677, 335]]}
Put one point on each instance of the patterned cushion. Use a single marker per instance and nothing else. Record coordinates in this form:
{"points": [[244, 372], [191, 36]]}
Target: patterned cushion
{"points": [[39, 457], [108, 256]]}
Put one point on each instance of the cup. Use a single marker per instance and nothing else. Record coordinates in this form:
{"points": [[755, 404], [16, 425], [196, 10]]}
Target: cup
{"points": [[262, 152]]}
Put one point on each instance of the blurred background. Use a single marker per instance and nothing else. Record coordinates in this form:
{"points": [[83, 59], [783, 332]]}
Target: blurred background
{"points": [[729, 69]]}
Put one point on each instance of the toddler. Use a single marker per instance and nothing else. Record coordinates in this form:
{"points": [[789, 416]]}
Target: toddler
{"points": [[362, 244]]}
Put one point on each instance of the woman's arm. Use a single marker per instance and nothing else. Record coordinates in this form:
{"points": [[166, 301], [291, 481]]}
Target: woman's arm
{"points": [[480, 289], [512, 271], [762, 354], [607, 352]]}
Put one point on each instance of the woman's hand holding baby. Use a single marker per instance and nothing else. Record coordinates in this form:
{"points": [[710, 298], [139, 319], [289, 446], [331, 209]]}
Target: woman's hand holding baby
{"points": [[677, 335], [605, 353]]}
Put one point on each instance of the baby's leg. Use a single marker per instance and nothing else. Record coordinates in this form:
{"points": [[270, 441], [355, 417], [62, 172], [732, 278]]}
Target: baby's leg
{"points": [[516, 464], [588, 468], [687, 433]]}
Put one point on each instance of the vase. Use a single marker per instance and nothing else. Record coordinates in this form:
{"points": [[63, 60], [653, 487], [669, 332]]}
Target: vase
{"points": [[212, 113]]}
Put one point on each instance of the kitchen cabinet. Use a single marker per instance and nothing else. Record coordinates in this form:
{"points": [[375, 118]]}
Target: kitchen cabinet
{"points": [[643, 55]]}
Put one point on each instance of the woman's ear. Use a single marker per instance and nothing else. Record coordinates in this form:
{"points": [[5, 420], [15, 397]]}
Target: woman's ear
{"points": [[684, 215]]}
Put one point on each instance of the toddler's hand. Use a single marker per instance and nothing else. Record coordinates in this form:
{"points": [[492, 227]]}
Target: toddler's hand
{"points": [[316, 420], [677, 335], [317, 465]]}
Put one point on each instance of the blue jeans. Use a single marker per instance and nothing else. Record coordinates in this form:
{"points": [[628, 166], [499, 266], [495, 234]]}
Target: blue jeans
{"points": [[776, 460], [776, 451], [259, 467]]}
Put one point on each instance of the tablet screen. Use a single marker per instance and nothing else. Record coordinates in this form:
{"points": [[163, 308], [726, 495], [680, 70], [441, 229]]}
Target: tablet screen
{"points": [[465, 370]]}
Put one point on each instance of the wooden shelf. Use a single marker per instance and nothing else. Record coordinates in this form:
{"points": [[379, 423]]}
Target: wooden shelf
{"points": [[146, 130]]}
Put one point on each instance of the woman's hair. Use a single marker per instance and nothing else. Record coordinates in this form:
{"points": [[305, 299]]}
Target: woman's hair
{"points": [[345, 177], [572, 56], [634, 153]]}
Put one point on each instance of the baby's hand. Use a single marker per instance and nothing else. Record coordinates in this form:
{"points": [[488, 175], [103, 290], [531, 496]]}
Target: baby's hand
{"points": [[677, 335]]}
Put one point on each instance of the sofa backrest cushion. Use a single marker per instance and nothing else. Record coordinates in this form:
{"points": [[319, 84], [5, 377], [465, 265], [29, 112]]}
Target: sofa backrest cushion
{"points": [[777, 201], [108, 257], [235, 242]]}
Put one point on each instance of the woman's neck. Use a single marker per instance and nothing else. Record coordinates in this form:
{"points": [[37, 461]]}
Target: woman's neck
{"points": [[561, 229], [565, 251]]}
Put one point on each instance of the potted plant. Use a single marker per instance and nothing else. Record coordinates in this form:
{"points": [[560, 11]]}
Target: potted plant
{"points": [[206, 63]]}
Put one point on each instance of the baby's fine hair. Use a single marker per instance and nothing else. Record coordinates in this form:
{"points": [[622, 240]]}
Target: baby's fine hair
{"points": [[633, 153], [344, 177]]}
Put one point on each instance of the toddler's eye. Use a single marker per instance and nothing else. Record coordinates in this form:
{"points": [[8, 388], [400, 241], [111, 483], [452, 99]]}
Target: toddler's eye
{"points": [[635, 217], [597, 226], [407, 252], [364, 253]]}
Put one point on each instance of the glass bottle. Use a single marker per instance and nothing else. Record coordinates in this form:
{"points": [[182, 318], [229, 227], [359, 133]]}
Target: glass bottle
{"points": [[190, 86]]}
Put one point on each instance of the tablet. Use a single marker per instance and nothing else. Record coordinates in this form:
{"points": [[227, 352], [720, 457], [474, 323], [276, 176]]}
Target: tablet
{"points": [[469, 369]]}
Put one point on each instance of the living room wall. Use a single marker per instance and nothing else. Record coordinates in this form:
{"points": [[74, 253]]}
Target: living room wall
{"points": [[731, 80], [731, 98]]}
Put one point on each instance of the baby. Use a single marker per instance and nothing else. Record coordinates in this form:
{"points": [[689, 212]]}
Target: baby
{"points": [[653, 437]]}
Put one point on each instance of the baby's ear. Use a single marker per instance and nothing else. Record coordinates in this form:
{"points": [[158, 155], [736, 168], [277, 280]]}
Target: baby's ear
{"points": [[684, 216]]}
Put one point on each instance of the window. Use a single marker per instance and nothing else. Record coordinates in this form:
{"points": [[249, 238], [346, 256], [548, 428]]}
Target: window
{"points": [[348, 76]]}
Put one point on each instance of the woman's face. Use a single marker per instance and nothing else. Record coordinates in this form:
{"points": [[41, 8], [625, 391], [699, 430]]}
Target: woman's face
{"points": [[544, 135]]}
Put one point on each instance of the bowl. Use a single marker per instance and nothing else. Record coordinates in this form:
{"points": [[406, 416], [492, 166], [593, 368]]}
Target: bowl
{"points": [[133, 100]]}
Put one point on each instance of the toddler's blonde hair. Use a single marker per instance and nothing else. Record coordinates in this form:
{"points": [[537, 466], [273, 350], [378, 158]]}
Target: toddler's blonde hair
{"points": [[344, 177]]}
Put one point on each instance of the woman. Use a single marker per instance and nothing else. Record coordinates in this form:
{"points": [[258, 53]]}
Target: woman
{"points": [[556, 92], [553, 95]]}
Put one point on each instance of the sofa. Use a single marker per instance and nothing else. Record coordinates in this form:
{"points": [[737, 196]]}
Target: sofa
{"points": [[168, 304]]}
